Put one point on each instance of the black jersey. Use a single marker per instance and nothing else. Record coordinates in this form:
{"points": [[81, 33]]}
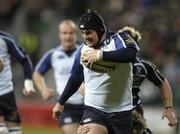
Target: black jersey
{"points": [[144, 69]]}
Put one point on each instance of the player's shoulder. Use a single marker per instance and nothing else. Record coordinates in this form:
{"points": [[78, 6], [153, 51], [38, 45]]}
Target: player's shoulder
{"points": [[138, 66], [7, 35], [127, 38], [148, 64], [82, 48], [50, 52]]}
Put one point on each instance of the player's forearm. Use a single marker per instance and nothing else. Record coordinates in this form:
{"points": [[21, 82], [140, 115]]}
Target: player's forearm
{"points": [[123, 55], [166, 94], [39, 81], [28, 68]]}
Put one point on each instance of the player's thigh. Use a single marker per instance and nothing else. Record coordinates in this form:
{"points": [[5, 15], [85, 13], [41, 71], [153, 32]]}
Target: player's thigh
{"points": [[12, 124], [70, 128], [95, 129]]}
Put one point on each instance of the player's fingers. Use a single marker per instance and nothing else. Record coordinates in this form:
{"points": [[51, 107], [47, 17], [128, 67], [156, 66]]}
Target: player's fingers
{"points": [[87, 64], [55, 115], [84, 60], [91, 64], [173, 122], [83, 129], [58, 115]]}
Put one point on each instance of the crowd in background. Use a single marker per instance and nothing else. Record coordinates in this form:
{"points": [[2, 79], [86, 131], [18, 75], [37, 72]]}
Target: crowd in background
{"points": [[34, 24]]}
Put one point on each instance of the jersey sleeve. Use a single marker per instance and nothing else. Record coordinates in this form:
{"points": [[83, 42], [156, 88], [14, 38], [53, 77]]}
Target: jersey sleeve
{"points": [[153, 74], [45, 63], [20, 55], [75, 79]]}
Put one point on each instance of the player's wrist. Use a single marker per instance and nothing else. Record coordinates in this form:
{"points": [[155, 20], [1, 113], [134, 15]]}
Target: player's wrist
{"points": [[168, 107], [29, 86]]}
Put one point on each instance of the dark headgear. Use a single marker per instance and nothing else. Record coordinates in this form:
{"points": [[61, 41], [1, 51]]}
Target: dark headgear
{"points": [[92, 20]]}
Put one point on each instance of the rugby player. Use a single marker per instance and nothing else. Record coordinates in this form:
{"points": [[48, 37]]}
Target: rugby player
{"points": [[144, 69], [108, 95], [60, 59], [9, 116]]}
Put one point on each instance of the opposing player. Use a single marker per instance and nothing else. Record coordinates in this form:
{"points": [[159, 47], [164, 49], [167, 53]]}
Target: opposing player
{"points": [[60, 59], [9, 117], [108, 96], [143, 69]]}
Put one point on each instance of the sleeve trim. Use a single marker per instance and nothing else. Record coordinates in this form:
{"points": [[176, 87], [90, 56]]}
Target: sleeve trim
{"points": [[49, 53], [13, 43]]}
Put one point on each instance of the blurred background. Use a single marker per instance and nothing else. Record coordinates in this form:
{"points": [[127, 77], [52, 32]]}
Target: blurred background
{"points": [[34, 24]]}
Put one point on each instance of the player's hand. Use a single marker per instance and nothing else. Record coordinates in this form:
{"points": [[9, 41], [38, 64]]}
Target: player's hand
{"points": [[57, 111], [171, 116], [47, 94], [28, 88], [1, 64], [91, 56], [83, 129], [28, 93]]}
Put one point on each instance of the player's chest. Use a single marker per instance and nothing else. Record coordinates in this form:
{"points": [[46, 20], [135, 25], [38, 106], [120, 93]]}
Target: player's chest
{"points": [[62, 63]]}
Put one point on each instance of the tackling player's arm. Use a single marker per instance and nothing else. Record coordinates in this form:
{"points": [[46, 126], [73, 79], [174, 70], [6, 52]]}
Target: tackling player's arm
{"points": [[1, 64], [158, 79], [38, 76], [22, 57], [72, 85]]}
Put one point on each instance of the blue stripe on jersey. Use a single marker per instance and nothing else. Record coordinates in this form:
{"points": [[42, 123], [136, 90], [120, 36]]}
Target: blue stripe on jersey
{"points": [[12, 44], [77, 68], [119, 42], [45, 63]]}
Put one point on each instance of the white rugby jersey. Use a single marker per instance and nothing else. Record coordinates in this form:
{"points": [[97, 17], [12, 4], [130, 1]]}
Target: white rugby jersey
{"points": [[107, 91], [111, 91], [61, 63], [8, 48]]}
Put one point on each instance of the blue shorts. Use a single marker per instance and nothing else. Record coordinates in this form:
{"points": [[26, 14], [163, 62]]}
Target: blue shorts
{"points": [[116, 123], [72, 114]]}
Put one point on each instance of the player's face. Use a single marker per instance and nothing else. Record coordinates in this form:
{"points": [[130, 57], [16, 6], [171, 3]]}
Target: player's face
{"points": [[90, 37], [67, 36]]}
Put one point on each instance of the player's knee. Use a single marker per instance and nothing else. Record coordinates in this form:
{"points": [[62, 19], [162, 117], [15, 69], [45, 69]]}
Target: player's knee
{"points": [[3, 129], [15, 130]]}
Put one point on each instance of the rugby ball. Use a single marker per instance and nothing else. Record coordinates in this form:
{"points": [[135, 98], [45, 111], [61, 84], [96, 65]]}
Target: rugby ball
{"points": [[104, 66]]}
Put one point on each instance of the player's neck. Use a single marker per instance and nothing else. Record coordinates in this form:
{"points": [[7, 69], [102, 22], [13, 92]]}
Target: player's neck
{"points": [[103, 38]]}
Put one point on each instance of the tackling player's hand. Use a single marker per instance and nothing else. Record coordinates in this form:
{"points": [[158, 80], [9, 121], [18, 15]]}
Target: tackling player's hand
{"points": [[47, 94], [28, 88], [83, 129], [170, 115], [57, 111], [91, 56], [1, 64]]}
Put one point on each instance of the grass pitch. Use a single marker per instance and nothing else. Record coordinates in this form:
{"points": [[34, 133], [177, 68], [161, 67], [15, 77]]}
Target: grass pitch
{"points": [[41, 130]]}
